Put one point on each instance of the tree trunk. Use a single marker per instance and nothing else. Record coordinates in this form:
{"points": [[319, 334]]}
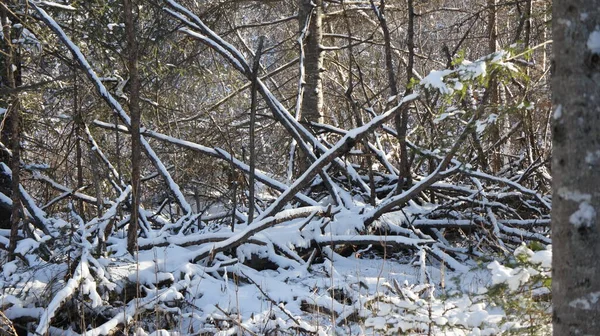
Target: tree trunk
{"points": [[252, 174], [576, 168], [401, 118], [78, 125], [12, 137], [312, 100], [134, 110], [405, 177], [311, 13], [7, 80], [492, 30]]}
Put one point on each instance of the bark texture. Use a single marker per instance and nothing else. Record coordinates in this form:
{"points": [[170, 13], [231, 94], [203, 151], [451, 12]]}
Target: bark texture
{"points": [[576, 168], [6, 80], [312, 100], [492, 31], [11, 125], [134, 110]]}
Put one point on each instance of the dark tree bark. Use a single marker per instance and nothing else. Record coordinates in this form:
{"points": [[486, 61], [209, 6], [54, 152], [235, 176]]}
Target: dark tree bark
{"points": [[78, 126], [312, 100], [492, 30], [576, 168], [405, 180], [251, 176], [5, 100], [134, 110], [11, 136]]}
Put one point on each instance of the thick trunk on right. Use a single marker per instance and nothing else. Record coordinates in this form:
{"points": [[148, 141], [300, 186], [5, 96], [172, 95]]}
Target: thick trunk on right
{"points": [[576, 168]]}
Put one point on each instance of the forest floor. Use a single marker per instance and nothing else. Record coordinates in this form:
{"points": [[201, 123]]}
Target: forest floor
{"points": [[377, 290]]}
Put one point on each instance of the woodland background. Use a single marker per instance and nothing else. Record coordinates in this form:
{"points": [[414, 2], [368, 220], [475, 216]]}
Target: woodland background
{"points": [[256, 139]]}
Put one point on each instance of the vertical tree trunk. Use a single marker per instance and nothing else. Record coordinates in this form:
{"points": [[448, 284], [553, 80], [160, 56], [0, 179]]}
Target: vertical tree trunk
{"points": [[576, 168], [251, 175], [405, 180], [134, 110], [401, 118], [15, 166], [496, 159], [78, 124], [5, 100], [311, 107], [312, 100], [12, 137], [354, 108]]}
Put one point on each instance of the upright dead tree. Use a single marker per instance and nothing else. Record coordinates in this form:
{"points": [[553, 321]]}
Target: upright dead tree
{"points": [[134, 110], [311, 11], [5, 100], [310, 21], [576, 168], [492, 31], [252, 175], [11, 121], [78, 126], [401, 117]]}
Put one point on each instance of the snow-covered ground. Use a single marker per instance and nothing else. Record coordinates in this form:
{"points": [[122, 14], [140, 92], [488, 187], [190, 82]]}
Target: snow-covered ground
{"points": [[365, 293]]}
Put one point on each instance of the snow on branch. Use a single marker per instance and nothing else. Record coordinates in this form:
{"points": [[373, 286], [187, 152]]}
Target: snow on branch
{"points": [[112, 103], [340, 148], [298, 132], [214, 152]]}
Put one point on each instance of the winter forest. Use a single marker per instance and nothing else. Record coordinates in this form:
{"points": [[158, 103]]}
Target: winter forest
{"points": [[299, 167]]}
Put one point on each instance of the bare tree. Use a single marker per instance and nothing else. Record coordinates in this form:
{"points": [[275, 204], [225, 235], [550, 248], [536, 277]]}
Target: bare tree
{"points": [[576, 168], [12, 117], [134, 110], [311, 12]]}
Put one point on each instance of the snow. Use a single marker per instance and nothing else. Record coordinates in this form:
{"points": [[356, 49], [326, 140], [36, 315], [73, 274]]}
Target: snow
{"points": [[472, 70], [5, 199], [57, 5], [9, 268], [114, 104], [59, 298], [512, 277], [593, 42], [26, 245], [205, 278], [435, 80], [450, 80], [291, 289], [481, 125], [584, 217], [586, 301], [592, 158], [544, 258], [574, 195], [233, 56], [558, 112]]}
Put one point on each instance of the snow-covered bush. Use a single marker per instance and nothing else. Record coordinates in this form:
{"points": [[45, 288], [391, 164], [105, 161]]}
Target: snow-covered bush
{"points": [[514, 301]]}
